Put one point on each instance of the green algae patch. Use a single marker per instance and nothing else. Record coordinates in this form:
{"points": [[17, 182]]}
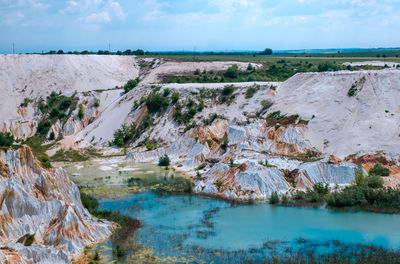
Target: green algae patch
{"points": [[111, 192]]}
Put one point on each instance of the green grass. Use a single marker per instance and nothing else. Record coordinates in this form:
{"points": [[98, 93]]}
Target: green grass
{"points": [[69, 156], [273, 69], [39, 151], [314, 58]]}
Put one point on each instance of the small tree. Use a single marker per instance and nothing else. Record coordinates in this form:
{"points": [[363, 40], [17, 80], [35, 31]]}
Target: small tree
{"points": [[131, 84], [81, 111], [6, 139], [274, 199], [164, 160], [267, 51], [43, 127], [155, 102], [96, 102], [232, 72], [360, 178], [52, 136], [375, 181], [379, 170]]}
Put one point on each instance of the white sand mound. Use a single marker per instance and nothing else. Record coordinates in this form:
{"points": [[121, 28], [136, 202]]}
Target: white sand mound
{"points": [[33, 76], [367, 122], [372, 63]]}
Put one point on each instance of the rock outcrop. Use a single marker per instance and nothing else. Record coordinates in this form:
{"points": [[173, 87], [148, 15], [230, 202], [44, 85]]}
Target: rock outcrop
{"points": [[44, 204], [241, 172]]}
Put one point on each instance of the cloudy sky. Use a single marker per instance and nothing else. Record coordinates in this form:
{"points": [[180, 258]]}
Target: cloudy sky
{"points": [[36, 25]]}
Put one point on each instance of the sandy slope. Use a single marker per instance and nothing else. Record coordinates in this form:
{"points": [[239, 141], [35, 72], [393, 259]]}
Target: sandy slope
{"points": [[366, 122], [33, 76]]}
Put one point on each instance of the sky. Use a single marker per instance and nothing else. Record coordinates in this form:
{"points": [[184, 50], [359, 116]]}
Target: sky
{"points": [[166, 25]]}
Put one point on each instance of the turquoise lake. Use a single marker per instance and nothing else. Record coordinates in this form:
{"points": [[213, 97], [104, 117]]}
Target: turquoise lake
{"points": [[176, 225], [193, 229]]}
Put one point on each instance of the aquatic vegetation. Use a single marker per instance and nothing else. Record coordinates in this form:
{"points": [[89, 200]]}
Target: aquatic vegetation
{"points": [[111, 192]]}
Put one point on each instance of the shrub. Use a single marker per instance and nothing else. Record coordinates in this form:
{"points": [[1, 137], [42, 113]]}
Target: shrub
{"points": [[131, 84], [52, 136], [249, 67], [265, 105], [321, 189], [26, 102], [201, 166], [274, 199], [190, 103], [232, 72], [81, 111], [96, 102], [375, 181], [227, 94], [190, 126], [327, 67], [89, 203], [197, 72], [54, 113], [174, 97], [200, 106], [156, 102], [146, 122], [45, 160], [166, 92], [124, 134], [149, 145], [65, 103], [164, 160], [250, 92], [379, 170], [43, 127], [225, 143], [352, 91], [6, 139], [360, 178], [211, 117]]}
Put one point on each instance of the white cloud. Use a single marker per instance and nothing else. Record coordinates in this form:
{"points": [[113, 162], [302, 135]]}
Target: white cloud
{"points": [[101, 17], [118, 10], [95, 11]]}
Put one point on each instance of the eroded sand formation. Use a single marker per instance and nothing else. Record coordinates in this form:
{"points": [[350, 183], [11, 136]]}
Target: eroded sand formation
{"points": [[44, 203]]}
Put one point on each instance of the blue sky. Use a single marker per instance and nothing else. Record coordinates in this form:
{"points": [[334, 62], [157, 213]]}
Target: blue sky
{"points": [[36, 25]]}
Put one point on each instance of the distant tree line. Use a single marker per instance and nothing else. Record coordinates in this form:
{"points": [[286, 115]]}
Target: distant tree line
{"points": [[137, 52], [140, 52]]}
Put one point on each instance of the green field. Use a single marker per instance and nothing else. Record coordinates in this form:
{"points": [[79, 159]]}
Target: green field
{"points": [[313, 58]]}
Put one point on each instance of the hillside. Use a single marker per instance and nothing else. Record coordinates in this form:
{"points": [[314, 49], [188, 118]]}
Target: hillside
{"points": [[236, 140]]}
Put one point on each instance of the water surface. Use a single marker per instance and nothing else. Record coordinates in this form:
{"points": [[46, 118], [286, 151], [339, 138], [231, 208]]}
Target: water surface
{"points": [[187, 228]]}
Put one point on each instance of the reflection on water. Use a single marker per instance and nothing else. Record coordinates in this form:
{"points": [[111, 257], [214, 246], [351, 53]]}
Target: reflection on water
{"points": [[186, 228]]}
